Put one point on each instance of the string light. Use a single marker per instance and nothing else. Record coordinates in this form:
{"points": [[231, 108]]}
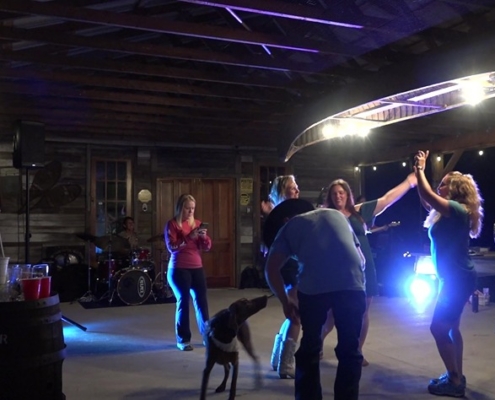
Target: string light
{"points": [[374, 168], [404, 163], [439, 158], [480, 152]]}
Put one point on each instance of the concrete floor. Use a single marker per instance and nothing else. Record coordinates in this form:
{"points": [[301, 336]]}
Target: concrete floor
{"points": [[129, 353]]}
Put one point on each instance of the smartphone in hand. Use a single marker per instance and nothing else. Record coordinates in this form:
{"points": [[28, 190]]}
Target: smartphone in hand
{"points": [[204, 225]]}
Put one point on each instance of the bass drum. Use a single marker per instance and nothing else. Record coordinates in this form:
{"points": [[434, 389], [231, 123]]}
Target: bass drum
{"points": [[133, 286]]}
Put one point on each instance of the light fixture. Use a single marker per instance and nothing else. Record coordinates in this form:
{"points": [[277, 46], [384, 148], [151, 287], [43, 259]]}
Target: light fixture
{"points": [[374, 167], [439, 158], [144, 196], [404, 163], [426, 100], [473, 92], [480, 152]]}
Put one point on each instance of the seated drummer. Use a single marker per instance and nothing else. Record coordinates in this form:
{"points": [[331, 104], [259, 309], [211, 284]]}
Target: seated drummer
{"points": [[129, 233]]}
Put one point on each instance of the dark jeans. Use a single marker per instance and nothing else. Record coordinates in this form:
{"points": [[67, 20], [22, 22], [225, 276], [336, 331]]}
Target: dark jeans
{"points": [[187, 283], [348, 309]]}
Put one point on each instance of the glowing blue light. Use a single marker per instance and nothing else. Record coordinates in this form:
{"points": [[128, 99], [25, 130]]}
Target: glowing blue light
{"points": [[421, 290], [424, 266]]}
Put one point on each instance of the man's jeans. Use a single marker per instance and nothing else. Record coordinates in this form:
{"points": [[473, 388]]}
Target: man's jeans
{"points": [[348, 309]]}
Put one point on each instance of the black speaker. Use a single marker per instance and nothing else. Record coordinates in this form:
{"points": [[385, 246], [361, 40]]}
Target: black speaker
{"points": [[29, 145]]}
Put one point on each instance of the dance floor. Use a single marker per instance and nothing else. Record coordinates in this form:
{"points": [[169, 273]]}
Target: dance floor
{"points": [[129, 353]]}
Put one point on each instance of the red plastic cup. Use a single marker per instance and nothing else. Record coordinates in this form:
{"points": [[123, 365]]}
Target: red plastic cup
{"points": [[45, 287], [31, 288]]}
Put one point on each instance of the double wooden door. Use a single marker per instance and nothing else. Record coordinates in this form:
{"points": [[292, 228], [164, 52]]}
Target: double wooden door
{"points": [[215, 200]]}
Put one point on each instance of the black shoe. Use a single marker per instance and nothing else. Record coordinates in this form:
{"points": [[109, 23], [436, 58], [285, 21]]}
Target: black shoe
{"points": [[185, 346]]}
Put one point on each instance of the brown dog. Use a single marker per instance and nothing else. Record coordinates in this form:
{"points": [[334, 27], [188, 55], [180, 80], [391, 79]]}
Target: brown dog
{"points": [[223, 330]]}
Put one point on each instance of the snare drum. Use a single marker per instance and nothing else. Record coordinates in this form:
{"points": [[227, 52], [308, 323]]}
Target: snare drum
{"points": [[133, 286]]}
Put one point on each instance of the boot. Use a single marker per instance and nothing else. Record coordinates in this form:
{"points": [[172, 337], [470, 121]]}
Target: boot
{"points": [[276, 351], [286, 360]]}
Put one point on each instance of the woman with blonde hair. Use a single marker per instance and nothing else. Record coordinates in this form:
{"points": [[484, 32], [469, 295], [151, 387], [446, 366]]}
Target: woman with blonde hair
{"points": [[284, 187], [185, 240], [456, 215]]}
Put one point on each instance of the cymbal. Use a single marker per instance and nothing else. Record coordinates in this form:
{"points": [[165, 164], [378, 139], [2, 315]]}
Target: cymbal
{"points": [[156, 238], [117, 243], [87, 237]]}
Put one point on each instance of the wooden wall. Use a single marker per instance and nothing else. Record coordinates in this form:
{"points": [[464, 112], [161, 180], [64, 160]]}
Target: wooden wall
{"points": [[57, 226]]}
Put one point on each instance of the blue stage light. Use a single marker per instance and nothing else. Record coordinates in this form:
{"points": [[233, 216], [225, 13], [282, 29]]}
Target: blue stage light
{"points": [[421, 287]]}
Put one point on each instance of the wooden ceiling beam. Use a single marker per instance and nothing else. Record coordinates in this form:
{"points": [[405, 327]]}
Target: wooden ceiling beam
{"points": [[125, 97], [139, 84], [142, 69], [134, 128], [46, 114], [466, 141], [280, 9], [127, 47], [50, 103], [158, 138], [160, 25]]}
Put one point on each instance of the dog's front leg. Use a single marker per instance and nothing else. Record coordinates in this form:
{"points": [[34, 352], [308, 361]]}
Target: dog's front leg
{"points": [[206, 377], [223, 385], [233, 384]]}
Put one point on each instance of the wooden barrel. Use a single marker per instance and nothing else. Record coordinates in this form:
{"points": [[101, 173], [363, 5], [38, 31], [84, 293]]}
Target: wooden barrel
{"points": [[32, 350]]}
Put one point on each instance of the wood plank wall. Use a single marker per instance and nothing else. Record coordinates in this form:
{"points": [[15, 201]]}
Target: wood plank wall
{"points": [[57, 226], [49, 226]]}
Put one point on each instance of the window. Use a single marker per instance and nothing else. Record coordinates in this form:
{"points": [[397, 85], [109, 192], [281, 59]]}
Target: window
{"points": [[112, 195]]}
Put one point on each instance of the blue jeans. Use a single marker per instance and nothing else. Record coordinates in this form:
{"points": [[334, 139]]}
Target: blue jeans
{"points": [[187, 283], [348, 309]]}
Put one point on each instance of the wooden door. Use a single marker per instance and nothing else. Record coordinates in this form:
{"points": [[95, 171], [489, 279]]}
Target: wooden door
{"points": [[215, 199]]}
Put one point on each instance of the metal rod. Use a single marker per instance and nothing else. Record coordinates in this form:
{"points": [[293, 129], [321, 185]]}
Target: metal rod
{"points": [[70, 321], [27, 234]]}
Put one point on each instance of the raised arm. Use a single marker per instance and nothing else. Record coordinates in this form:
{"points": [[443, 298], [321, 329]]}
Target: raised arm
{"points": [[425, 191], [393, 195]]}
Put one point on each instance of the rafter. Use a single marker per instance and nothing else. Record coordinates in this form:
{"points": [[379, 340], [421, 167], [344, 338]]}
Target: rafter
{"points": [[94, 94], [138, 84], [141, 69], [465, 141], [274, 8], [129, 21], [126, 47]]}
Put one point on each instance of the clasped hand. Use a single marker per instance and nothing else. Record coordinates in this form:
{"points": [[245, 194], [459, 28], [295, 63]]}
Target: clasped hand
{"points": [[420, 158]]}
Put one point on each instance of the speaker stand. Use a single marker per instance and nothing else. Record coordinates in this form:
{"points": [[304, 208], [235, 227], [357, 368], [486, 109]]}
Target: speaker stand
{"points": [[27, 234], [27, 237]]}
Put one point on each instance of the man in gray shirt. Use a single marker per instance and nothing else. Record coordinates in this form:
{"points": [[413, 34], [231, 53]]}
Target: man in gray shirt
{"points": [[331, 275]]}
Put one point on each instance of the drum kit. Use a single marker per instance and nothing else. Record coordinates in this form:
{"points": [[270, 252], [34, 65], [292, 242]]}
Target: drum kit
{"points": [[129, 274]]}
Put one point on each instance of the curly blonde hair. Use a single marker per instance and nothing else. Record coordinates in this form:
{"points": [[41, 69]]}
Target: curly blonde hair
{"points": [[463, 189]]}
